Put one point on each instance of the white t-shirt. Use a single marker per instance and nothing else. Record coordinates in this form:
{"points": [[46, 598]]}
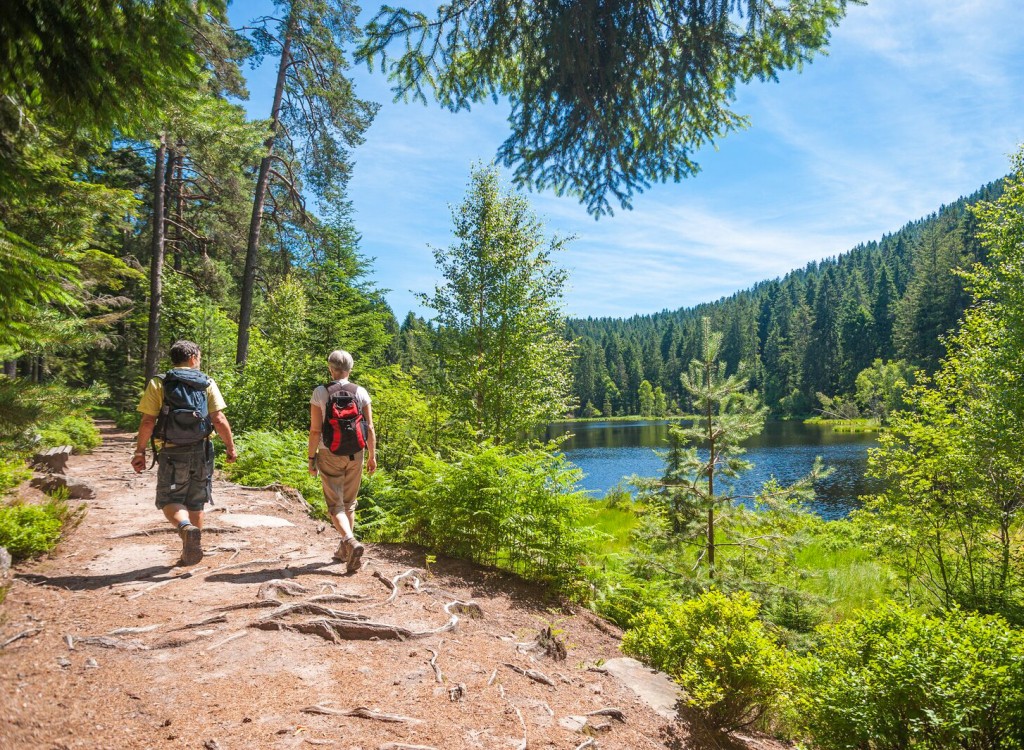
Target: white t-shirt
{"points": [[319, 399]]}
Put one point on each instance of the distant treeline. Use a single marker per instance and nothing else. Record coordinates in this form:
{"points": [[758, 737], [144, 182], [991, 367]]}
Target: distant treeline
{"points": [[810, 332]]}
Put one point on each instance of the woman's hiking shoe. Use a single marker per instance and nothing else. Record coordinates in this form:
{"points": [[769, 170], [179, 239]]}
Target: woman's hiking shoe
{"points": [[341, 554], [192, 544], [355, 558]]}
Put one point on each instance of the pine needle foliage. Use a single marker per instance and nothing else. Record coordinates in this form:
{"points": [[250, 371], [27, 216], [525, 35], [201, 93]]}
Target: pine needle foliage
{"points": [[725, 414], [607, 96]]}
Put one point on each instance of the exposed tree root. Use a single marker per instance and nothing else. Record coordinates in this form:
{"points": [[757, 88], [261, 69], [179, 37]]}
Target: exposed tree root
{"points": [[363, 713], [339, 630], [106, 642], [285, 586], [203, 623], [533, 674], [133, 631], [161, 584], [232, 637], [433, 663], [340, 598], [266, 603], [170, 530], [309, 608]]}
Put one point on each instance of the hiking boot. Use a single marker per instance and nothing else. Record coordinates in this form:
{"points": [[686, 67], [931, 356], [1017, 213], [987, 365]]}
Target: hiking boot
{"points": [[192, 544], [355, 558], [341, 554]]}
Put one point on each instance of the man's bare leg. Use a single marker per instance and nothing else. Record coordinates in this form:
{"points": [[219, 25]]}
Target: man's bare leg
{"points": [[189, 524]]}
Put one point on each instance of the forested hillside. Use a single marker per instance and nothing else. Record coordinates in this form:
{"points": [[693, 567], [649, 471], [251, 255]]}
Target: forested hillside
{"points": [[812, 331]]}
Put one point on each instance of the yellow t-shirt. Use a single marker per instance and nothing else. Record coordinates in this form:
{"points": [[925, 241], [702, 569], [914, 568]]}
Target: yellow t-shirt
{"points": [[153, 398]]}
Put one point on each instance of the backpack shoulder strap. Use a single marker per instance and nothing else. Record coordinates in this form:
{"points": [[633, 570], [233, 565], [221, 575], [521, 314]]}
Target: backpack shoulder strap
{"points": [[333, 388]]}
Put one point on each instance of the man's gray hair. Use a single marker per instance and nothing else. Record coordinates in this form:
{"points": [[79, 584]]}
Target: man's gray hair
{"points": [[340, 361]]}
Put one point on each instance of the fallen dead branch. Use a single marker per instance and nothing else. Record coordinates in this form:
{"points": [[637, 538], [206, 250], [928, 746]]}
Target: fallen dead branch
{"points": [[533, 674], [615, 713], [380, 577], [585, 744], [23, 634], [363, 713], [403, 746]]}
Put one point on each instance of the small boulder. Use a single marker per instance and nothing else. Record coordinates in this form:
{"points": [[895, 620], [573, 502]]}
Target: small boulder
{"points": [[78, 489]]}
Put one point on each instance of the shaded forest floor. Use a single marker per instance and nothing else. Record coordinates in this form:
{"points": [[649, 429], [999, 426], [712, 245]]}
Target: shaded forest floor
{"points": [[268, 643]]}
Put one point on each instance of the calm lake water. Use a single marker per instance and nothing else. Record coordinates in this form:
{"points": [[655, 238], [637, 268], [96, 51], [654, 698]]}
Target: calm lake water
{"points": [[609, 451]]}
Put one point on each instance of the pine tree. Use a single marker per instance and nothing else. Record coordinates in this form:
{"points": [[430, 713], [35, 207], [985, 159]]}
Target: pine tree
{"points": [[606, 97], [725, 414]]}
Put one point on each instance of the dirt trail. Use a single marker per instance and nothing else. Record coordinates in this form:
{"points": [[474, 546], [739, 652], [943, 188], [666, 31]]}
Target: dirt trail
{"points": [[121, 649]]}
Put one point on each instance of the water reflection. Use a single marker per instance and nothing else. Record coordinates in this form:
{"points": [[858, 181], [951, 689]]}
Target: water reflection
{"points": [[609, 451]]}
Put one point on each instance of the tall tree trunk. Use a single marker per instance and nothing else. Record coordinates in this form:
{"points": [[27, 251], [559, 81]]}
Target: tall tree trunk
{"points": [[711, 474], [11, 368], [156, 263], [175, 194], [256, 222]]}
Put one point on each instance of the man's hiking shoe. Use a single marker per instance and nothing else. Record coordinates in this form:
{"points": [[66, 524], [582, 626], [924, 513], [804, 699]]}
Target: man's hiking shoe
{"points": [[355, 558], [341, 554], [192, 544]]}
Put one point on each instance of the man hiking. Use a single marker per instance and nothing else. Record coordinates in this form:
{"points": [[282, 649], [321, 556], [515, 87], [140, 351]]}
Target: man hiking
{"points": [[179, 411], [340, 435]]}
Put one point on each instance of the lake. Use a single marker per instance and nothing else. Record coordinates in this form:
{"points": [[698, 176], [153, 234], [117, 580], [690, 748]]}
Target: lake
{"points": [[609, 451]]}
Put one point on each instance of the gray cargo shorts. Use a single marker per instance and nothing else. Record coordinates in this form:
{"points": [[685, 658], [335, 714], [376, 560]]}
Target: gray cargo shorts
{"points": [[185, 475]]}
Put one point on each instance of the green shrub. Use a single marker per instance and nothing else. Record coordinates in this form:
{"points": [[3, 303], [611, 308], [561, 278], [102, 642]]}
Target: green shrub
{"points": [[266, 457], [495, 505], [13, 471], [717, 650], [32, 530], [893, 678], [77, 431]]}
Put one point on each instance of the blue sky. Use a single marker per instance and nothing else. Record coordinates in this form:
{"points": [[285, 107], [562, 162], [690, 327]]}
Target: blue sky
{"points": [[917, 103]]}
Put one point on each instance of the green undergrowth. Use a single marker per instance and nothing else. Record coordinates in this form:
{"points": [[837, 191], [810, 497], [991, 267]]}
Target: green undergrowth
{"points": [[30, 530], [269, 457], [76, 430]]}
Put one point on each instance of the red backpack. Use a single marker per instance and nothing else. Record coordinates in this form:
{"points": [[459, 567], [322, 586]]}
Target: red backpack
{"points": [[344, 429]]}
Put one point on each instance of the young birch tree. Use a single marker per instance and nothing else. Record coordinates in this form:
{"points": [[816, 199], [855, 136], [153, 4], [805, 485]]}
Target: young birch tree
{"points": [[507, 366]]}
